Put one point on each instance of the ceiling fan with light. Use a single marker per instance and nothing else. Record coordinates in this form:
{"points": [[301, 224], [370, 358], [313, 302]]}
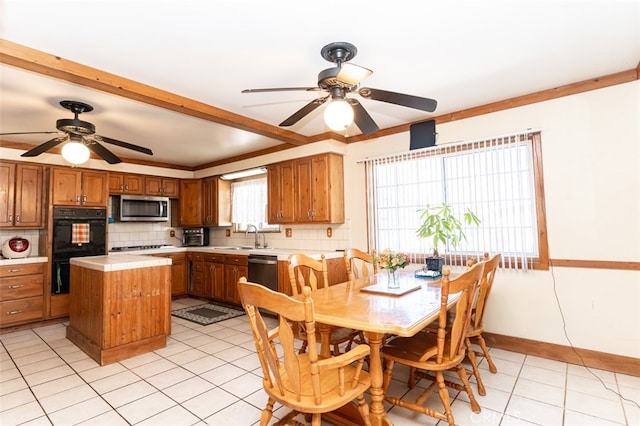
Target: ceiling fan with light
{"points": [[80, 137], [341, 80]]}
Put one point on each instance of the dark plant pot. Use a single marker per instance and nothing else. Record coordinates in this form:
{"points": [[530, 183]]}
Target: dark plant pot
{"points": [[434, 263]]}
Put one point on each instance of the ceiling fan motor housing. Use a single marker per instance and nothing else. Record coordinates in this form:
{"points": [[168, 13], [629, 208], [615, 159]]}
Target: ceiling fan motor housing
{"points": [[75, 126]]}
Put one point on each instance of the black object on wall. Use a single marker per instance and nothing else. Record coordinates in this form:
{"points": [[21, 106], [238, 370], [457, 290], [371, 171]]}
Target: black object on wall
{"points": [[422, 135]]}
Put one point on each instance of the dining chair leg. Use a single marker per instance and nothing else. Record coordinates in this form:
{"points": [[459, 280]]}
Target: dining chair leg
{"points": [[444, 397], [411, 383], [462, 373], [363, 407], [267, 413], [485, 351], [474, 365]]}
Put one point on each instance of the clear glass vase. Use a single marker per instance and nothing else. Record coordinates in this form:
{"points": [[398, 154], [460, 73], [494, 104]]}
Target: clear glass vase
{"points": [[393, 280]]}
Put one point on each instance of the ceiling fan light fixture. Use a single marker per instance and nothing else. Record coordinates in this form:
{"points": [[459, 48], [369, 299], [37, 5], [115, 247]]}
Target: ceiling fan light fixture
{"points": [[338, 115], [75, 152]]}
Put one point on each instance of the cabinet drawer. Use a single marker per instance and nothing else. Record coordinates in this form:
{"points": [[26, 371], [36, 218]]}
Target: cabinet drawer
{"points": [[233, 259], [20, 310], [21, 287], [197, 267], [21, 269], [197, 277], [197, 257], [215, 258]]}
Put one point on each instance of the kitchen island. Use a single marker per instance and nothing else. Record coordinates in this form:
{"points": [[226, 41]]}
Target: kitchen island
{"points": [[119, 306]]}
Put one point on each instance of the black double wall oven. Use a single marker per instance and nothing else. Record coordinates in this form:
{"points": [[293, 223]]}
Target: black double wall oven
{"points": [[77, 232]]}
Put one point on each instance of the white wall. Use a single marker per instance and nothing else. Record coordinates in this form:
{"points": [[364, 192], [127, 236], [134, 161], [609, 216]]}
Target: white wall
{"points": [[591, 160]]}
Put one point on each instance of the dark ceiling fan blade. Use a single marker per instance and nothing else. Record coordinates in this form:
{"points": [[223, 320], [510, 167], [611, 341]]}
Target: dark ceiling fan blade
{"points": [[103, 152], [282, 89], [123, 144], [28, 133], [416, 102], [302, 112], [352, 74], [44, 147], [362, 118]]}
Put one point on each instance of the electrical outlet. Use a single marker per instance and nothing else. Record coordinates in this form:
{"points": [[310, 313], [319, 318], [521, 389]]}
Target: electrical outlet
{"points": [[172, 233], [227, 232], [329, 232], [288, 232]]}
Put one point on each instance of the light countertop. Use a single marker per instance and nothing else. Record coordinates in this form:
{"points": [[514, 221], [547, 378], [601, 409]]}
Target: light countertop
{"points": [[30, 259], [119, 263], [282, 254]]}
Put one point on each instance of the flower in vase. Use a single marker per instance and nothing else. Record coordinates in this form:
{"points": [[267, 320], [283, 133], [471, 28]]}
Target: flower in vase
{"points": [[391, 260]]}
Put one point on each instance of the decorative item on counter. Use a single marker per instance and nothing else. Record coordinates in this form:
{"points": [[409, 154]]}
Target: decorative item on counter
{"points": [[16, 248], [391, 261]]}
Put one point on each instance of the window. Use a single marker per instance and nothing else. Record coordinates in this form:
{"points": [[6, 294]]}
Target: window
{"points": [[497, 179], [249, 204]]}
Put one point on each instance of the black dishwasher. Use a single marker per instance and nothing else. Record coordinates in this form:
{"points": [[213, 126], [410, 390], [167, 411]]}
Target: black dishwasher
{"points": [[263, 269]]}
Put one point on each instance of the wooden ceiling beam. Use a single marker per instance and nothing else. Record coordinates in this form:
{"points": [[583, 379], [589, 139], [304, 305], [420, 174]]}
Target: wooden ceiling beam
{"points": [[56, 67]]}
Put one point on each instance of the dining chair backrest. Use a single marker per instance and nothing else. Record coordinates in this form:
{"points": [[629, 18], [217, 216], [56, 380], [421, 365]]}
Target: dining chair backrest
{"points": [[304, 382], [490, 268], [307, 271], [451, 336], [359, 264]]}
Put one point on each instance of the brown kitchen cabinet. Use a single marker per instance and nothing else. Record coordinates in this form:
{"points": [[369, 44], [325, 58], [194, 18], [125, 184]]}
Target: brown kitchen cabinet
{"points": [[198, 285], [178, 272], [280, 191], [79, 187], [236, 266], [125, 183], [22, 200], [214, 273], [216, 202], [319, 189], [307, 190], [190, 203], [161, 187], [21, 293]]}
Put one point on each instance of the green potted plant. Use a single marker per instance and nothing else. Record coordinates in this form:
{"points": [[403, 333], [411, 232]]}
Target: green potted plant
{"points": [[440, 224]]}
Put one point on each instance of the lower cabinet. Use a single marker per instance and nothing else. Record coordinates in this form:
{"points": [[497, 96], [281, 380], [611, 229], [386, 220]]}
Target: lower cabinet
{"points": [[214, 275], [236, 266], [197, 283], [178, 272], [21, 293]]}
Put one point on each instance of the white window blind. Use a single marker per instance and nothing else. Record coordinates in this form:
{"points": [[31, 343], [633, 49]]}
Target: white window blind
{"points": [[494, 178], [249, 203]]}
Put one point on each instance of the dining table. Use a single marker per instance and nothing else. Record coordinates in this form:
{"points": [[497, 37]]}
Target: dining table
{"points": [[369, 305]]}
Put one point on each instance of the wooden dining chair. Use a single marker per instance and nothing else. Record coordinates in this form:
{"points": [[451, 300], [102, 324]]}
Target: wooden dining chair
{"points": [[476, 325], [304, 271], [302, 382], [433, 353], [359, 264]]}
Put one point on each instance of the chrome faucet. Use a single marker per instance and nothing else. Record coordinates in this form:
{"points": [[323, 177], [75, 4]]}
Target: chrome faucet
{"points": [[256, 244]]}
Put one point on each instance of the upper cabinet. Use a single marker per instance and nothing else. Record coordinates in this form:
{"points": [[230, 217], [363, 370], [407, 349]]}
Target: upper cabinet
{"points": [[78, 187], [161, 187], [190, 203], [280, 190], [21, 195], [307, 190], [124, 183], [216, 202]]}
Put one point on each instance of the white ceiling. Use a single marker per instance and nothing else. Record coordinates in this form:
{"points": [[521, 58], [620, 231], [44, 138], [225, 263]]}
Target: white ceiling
{"points": [[463, 54]]}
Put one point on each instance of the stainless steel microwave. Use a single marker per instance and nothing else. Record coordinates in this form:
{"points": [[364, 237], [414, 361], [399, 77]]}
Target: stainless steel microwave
{"points": [[140, 208]]}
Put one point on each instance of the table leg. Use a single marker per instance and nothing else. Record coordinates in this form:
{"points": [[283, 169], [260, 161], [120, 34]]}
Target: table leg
{"points": [[376, 408], [325, 344]]}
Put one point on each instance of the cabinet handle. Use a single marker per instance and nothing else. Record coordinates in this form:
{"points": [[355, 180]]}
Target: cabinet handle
{"points": [[10, 218], [14, 312], [84, 198], [17, 218], [15, 270], [78, 199], [15, 286]]}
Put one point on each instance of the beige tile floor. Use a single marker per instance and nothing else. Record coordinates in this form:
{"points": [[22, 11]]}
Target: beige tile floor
{"points": [[210, 375]]}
